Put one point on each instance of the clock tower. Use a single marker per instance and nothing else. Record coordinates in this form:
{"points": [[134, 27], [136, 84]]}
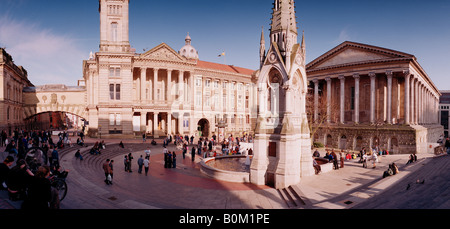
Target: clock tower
{"points": [[114, 26]]}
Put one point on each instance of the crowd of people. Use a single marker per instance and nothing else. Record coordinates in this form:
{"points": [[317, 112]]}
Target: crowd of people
{"points": [[32, 160], [205, 147], [372, 156]]}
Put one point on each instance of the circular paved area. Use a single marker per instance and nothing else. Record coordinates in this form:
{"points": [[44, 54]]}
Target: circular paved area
{"points": [[181, 187]]}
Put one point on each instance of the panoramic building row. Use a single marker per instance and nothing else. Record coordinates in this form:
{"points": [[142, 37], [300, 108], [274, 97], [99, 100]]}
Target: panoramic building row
{"points": [[361, 95]]}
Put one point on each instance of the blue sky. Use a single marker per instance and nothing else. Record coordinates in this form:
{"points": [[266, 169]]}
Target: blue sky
{"points": [[51, 38]]}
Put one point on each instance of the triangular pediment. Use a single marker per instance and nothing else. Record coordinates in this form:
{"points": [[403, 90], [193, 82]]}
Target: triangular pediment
{"points": [[354, 53], [273, 56], [163, 52]]}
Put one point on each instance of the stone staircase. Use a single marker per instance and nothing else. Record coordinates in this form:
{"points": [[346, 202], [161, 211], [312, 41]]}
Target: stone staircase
{"points": [[294, 197]]}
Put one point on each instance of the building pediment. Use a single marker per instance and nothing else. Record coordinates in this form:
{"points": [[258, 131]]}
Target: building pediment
{"points": [[351, 53], [163, 52]]}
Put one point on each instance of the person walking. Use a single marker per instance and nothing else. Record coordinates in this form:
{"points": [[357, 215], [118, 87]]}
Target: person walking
{"points": [[106, 169], [174, 159], [125, 163], [184, 151], [375, 160], [130, 158], [364, 160], [193, 153], [111, 171], [169, 159], [335, 160], [140, 162], [146, 163]]}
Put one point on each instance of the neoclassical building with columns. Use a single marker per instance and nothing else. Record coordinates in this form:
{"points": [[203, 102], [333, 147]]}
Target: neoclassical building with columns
{"points": [[368, 96], [161, 91]]}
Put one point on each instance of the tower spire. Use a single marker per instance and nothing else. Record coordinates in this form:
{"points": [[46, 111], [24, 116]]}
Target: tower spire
{"points": [[284, 26], [262, 48]]}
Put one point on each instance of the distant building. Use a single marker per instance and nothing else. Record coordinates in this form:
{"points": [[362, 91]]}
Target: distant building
{"points": [[13, 79], [161, 91], [444, 111], [368, 96]]}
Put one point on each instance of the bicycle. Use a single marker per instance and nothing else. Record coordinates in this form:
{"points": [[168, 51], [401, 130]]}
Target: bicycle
{"points": [[59, 183]]}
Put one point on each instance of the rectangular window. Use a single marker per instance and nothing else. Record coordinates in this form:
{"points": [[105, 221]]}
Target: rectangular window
{"points": [[198, 98], [111, 91], [198, 82], [239, 101], [114, 91], [207, 83], [115, 119], [207, 100], [114, 31], [246, 101], [117, 91], [114, 72], [112, 119], [224, 104]]}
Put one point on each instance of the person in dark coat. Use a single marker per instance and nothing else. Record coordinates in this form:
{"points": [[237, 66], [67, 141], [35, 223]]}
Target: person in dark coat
{"points": [[193, 153], [39, 191], [4, 170], [18, 179]]}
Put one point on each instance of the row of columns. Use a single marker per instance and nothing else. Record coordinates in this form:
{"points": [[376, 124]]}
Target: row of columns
{"points": [[143, 81], [420, 105], [168, 120]]}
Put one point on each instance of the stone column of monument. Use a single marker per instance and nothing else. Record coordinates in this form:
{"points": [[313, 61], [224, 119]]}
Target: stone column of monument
{"points": [[282, 144]]}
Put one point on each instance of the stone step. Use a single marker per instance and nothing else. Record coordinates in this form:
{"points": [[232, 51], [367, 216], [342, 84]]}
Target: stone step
{"points": [[293, 197]]}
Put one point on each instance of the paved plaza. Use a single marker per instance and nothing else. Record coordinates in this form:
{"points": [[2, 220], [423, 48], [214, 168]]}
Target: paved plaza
{"points": [[185, 187]]}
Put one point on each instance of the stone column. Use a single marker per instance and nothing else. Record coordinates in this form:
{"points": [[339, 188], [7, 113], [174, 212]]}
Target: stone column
{"points": [[357, 78], [155, 125], [169, 85], [143, 83], [143, 121], [342, 97], [181, 86], [389, 96], [155, 84], [316, 100], [413, 100], [407, 97], [417, 101], [372, 96], [180, 122], [190, 89], [169, 123], [328, 79]]}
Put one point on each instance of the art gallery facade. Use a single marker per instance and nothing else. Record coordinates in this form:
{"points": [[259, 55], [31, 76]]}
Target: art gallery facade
{"points": [[161, 91], [368, 96]]}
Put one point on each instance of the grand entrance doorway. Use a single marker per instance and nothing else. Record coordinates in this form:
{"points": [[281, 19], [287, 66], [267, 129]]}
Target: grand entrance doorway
{"points": [[203, 128]]}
